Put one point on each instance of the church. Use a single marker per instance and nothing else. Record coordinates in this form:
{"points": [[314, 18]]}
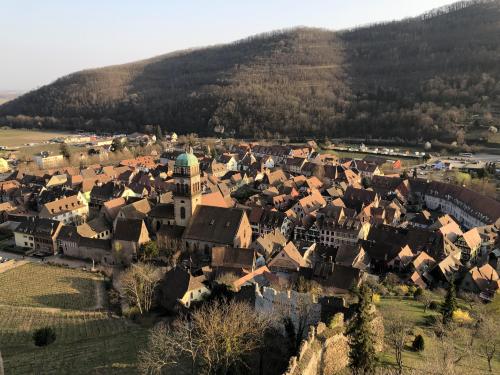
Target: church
{"points": [[197, 228]]}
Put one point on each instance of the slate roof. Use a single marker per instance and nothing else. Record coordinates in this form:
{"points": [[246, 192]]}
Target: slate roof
{"points": [[341, 277], [176, 283], [214, 224], [480, 206], [93, 227], [230, 257], [128, 230], [38, 227], [162, 211]]}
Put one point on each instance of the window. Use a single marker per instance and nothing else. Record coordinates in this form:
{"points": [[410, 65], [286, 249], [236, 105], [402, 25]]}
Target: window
{"points": [[183, 213]]}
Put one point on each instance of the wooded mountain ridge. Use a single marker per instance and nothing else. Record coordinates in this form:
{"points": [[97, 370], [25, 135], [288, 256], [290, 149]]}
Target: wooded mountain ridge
{"points": [[435, 76]]}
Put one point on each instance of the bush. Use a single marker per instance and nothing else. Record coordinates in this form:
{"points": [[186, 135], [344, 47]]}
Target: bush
{"points": [[377, 287], [418, 344], [401, 290], [132, 313], [434, 305], [336, 321], [376, 298], [391, 280], [461, 316], [44, 336], [418, 292]]}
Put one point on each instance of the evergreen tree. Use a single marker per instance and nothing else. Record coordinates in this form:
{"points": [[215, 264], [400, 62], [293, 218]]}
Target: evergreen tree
{"points": [[64, 149], [158, 133], [361, 340], [117, 145], [418, 344], [450, 302]]}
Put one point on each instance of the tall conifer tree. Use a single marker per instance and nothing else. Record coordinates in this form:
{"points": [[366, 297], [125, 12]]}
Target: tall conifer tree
{"points": [[361, 341], [450, 302]]}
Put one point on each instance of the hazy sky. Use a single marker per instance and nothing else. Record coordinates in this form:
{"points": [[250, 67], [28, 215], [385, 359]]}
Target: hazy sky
{"points": [[41, 40]]}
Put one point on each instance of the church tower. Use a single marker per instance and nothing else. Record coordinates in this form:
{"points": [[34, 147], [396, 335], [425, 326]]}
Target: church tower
{"points": [[187, 194]]}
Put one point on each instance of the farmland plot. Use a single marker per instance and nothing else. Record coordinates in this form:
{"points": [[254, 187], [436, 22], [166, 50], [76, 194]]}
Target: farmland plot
{"points": [[46, 286]]}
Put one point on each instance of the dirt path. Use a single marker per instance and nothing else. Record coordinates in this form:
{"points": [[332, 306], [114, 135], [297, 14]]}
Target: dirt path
{"points": [[10, 264], [99, 295]]}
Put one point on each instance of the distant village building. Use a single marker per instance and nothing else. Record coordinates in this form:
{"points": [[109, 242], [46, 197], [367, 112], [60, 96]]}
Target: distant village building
{"points": [[38, 234], [470, 208], [49, 161], [73, 209]]}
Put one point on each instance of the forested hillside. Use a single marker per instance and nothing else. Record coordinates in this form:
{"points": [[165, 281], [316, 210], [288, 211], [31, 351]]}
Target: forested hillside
{"points": [[434, 76]]}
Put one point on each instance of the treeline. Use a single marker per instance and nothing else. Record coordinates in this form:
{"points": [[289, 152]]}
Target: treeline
{"points": [[430, 77]]}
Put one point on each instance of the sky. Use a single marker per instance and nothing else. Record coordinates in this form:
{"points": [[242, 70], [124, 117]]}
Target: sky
{"points": [[43, 40]]}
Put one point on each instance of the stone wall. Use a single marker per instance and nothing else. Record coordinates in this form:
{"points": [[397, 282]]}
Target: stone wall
{"points": [[323, 352], [288, 303]]}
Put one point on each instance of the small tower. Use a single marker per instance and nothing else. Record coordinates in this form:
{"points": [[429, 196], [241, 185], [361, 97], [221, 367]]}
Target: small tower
{"points": [[187, 187]]}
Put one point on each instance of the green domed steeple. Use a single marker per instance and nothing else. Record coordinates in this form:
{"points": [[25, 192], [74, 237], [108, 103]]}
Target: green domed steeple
{"points": [[186, 159]]}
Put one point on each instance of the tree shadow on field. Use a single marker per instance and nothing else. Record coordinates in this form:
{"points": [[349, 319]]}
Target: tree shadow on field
{"points": [[81, 297]]}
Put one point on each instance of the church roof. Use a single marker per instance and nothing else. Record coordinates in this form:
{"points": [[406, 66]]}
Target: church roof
{"points": [[214, 224], [186, 159]]}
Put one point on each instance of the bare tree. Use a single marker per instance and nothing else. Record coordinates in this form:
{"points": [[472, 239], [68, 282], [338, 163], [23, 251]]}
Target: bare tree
{"points": [[425, 298], [488, 342], [228, 331], [397, 332], [454, 348], [171, 347], [138, 285], [215, 339]]}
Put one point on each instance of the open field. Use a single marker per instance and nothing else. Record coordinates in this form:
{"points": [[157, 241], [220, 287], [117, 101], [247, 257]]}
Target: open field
{"points": [[406, 161], [19, 137], [413, 311], [49, 287], [87, 341]]}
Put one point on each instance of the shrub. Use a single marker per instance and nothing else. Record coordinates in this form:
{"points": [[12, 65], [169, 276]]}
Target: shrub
{"points": [[377, 287], [462, 316], [376, 298], [336, 321], [44, 336], [418, 292], [418, 344], [391, 280], [401, 290], [434, 305], [132, 313]]}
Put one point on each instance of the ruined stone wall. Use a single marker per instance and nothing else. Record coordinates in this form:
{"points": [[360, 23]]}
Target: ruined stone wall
{"points": [[323, 352]]}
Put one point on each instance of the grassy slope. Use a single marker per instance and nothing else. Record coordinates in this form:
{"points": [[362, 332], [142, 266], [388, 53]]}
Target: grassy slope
{"points": [[414, 312], [34, 296]]}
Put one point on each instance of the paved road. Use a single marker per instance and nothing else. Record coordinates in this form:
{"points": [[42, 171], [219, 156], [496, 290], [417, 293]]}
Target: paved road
{"points": [[7, 255], [73, 263]]}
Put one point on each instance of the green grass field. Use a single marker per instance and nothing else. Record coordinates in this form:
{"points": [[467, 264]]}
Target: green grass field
{"points": [[413, 311], [19, 137], [87, 342]]}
